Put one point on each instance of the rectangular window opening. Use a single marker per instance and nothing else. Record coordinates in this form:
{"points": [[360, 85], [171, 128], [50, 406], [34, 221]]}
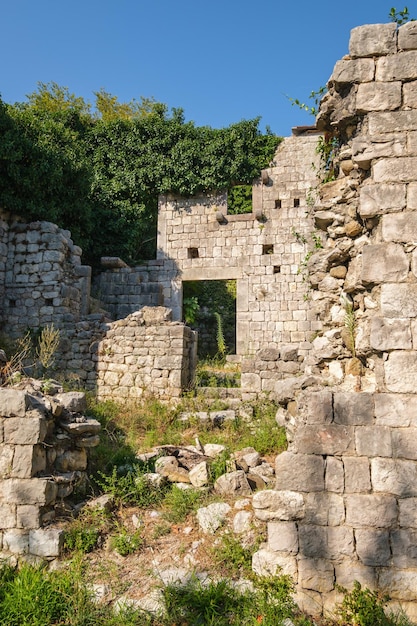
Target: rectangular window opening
{"points": [[49, 302], [268, 248], [193, 253], [277, 269], [296, 202], [278, 204], [12, 304]]}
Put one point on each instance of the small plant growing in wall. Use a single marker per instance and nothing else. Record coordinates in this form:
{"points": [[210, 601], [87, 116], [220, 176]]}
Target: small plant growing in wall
{"points": [[350, 325], [47, 346], [400, 17], [221, 344]]}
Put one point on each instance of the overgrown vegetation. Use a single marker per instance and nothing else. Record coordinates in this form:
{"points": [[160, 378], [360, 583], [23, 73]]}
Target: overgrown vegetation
{"points": [[102, 170]]}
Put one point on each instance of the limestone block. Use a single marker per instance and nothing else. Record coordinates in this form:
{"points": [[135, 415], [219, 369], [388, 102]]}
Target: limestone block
{"points": [[410, 94], [353, 276], [394, 476], [308, 601], [404, 443], [316, 574], [381, 198], [16, 541], [404, 551], [374, 510], [278, 505], [340, 543], [283, 537], [378, 96], [28, 516], [8, 515], [324, 509], [6, 460], [316, 407], [400, 66], [408, 512], [25, 431], [373, 546], [242, 522], [334, 478], [373, 441], [357, 474], [399, 584], [384, 263], [400, 169], [401, 371], [213, 516], [313, 541], [390, 334], [401, 227], [407, 36], [268, 563], [299, 472], [88, 425], [399, 301], [350, 570], [28, 461], [28, 491], [251, 382], [13, 403], [72, 460], [199, 475], [366, 148], [233, 483], [372, 40], [330, 439], [353, 71], [353, 408], [392, 122], [46, 542]]}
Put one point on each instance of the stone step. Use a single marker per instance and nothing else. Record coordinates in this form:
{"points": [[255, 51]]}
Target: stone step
{"points": [[220, 393]]}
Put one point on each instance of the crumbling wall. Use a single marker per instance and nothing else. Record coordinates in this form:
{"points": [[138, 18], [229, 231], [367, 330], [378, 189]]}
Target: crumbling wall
{"points": [[44, 440], [345, 499]]}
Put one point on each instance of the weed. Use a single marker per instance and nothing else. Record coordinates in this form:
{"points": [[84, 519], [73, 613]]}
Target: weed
{"points": [[221, 344], [178, 503], [400, 17], [363, 607], [124, 542], [218, 466], [48, 344], [161, 530], [132, 488], [232, 558], [84, 533]]}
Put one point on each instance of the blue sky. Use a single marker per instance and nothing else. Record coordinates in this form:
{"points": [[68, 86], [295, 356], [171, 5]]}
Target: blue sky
{"points": [[221, 61]]}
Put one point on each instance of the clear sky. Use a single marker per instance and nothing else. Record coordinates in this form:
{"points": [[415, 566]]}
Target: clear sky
{"points": [[221, 61]]}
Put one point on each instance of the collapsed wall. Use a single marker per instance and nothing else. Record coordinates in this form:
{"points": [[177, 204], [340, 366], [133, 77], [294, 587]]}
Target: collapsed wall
{"points": [[345, 501]]}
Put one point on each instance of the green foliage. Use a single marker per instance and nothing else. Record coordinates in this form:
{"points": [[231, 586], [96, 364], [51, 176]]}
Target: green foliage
{"points": [[400, 17], [124, 542], [327, 148], [190, 308], [315, 96], [131, 488], [363, 607], [218, 466], [103, 171], [239, 199], [178, 503], [232, 558], [84, 533], [221, 344]]}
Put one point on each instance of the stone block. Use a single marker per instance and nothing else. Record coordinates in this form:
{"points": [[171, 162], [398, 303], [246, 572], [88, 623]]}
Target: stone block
{"points": [[401, 371], [372, 441], [13, 403], [401, 227], [313, 541], [382, 198], [278, 505], [16, 541], [376, 510], [25, 431], [404, 548], [400, 66], [353, 409], [8, 515], [384, 263], [378, 96], [316, 407], [399, 584], [324, 509], [350, 570], [392, 122], [408, 512], [390, 334], [353, 71], [410, 94], [331, 439], [399, 169], [46, 542], [28, 491], [6, 460], [407, 36], [372, 40], [340, 543], [394, 476], [367, 148], [28, 461], [357, 474], [72, 460], [404, 443], [334, 477], [268, 563], [373, 546], [283, 537], [399, 301], [316, 574], [28, 516], [299, 472]]}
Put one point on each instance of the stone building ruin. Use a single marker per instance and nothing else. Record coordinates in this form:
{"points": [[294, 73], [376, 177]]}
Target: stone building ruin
{"points": [[326, 322]]}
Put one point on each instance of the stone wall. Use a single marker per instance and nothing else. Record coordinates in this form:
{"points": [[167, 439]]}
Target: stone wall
{"points": [[345, 499], [44, 441]]}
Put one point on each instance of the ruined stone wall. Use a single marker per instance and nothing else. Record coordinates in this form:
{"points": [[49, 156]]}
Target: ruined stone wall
{"points": [[44, 441], [344, 507]]}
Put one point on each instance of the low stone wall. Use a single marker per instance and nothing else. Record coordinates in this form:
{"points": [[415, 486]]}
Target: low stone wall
{"points": [[44, 441]]}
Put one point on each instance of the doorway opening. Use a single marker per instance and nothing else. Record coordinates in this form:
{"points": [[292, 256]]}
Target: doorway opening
{"points": [[209, 307]]}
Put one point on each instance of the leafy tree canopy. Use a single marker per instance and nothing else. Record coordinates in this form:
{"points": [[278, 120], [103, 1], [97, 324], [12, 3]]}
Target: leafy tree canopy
{"points": [[99, 173]]}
